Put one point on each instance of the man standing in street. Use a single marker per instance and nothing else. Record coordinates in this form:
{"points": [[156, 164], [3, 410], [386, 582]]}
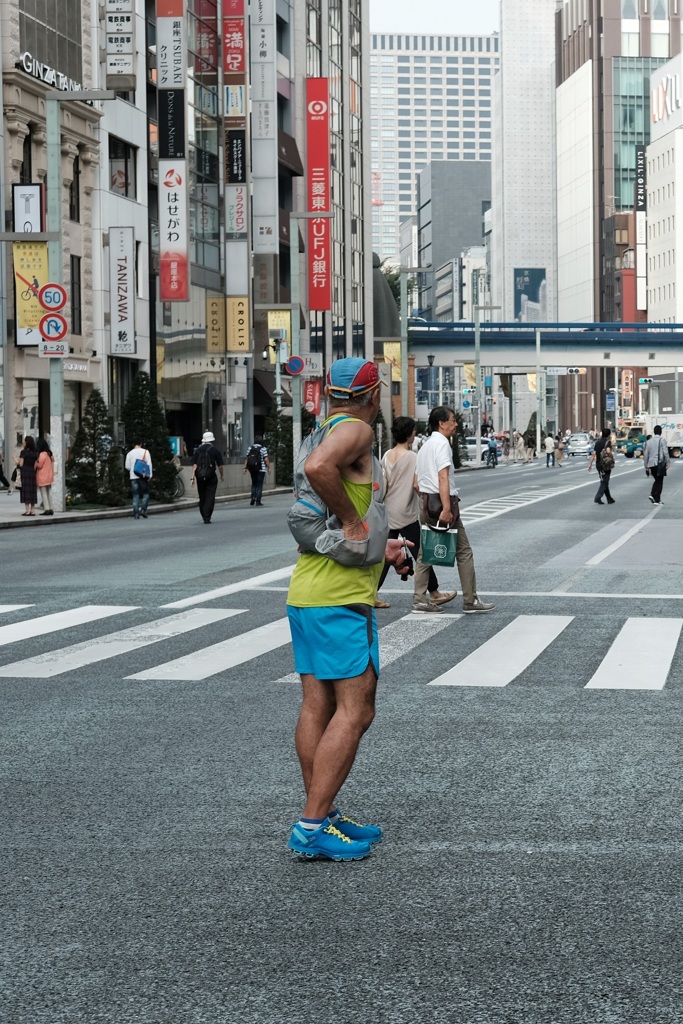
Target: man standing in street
{"points": [[257, 464], [603, 458], [205, 462], [332, 619], [440, 503], [139, 483], [549, 445], [656, 457]]}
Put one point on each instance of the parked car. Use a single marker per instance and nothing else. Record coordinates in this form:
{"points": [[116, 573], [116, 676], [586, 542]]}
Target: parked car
{"points": [[471, 445], [579, 444]]}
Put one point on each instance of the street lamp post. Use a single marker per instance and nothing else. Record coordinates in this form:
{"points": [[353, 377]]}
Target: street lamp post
{"points": [[53, 99], [477, 369], [403, 275]]}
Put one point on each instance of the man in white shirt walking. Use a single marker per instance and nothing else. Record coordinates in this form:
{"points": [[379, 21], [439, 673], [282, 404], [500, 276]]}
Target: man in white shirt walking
{"points": [[139, 482], [436, 482]]}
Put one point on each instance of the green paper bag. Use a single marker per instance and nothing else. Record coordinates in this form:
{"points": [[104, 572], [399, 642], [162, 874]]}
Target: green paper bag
{"points": [[438, 547]]}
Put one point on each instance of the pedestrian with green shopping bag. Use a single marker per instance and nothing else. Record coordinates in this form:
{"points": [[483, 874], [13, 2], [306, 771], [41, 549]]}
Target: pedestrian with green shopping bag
{"points": [[440, 507]]}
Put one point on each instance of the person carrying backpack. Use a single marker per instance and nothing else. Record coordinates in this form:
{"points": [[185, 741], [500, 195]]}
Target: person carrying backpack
{"points": [[603, 456], [257, 464], [206, 461]]}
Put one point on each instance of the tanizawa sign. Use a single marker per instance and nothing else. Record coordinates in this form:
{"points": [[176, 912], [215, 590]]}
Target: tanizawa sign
{"points": [[36, 69], [666, 95]]}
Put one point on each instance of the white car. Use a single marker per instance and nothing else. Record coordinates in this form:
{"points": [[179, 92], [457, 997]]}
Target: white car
{"points": [[471, 446]]}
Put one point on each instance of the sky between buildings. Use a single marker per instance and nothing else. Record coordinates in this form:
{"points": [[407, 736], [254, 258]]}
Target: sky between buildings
{"points": [[432, 17]]}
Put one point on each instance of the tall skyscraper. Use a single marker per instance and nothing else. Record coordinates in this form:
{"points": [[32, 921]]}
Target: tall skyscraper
{"points": [[431, 100], [605, 59], [522, 239]]}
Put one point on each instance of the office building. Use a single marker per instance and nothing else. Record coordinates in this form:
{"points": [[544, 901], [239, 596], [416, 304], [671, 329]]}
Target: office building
{"points": [[453, 197], [431, 101], [523, 227]]}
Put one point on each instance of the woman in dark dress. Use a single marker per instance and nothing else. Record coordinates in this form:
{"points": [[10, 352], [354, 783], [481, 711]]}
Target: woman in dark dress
{"points": [[27, 467]]}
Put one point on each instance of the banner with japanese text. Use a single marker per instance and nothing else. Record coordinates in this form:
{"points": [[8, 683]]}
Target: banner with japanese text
{"points": [[318, 194], [174, 232], [122, 292], [312, 396], [30, 274]]}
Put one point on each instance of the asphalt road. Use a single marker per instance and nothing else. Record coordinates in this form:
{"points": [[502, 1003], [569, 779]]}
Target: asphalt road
{"points": [[524, 765]]}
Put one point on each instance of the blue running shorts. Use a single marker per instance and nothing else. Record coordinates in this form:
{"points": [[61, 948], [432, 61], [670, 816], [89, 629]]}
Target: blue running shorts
{"points": [[334, 643]]}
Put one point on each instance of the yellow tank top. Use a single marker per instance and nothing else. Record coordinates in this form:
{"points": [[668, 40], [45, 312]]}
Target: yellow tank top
{"points": [[319, 582]]}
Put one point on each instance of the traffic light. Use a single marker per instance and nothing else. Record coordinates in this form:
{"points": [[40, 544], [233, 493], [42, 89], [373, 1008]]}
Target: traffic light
{"points": [[576, 369], [645, 380], [468, 391]]}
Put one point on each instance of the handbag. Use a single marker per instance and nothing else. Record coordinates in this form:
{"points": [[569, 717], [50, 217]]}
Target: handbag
{"points": [[13, 477], [141, 468], [438, 546]]}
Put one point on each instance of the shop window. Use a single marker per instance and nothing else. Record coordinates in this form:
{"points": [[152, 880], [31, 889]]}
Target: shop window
{"points": [[122, 168], [76, 297], [75, 191]]}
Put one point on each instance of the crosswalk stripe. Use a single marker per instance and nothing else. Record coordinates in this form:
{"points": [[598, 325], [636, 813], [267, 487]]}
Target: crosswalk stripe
{"points": [[222, 656], [502, 658], [45, 666], [640, 657], [5, 608], [60, 620], [400, 637], [233, 588]]}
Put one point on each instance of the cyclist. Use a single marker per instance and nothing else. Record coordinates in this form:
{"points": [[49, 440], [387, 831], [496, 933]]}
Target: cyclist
{"points": [[492, 452]]}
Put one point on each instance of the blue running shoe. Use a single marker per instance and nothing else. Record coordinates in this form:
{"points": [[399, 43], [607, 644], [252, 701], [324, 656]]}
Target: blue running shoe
{"points": [[326, 841], [359, 833]]}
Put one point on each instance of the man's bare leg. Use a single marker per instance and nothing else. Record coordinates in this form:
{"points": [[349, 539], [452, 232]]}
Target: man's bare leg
{"points": [[317, 708], [336, 748]]}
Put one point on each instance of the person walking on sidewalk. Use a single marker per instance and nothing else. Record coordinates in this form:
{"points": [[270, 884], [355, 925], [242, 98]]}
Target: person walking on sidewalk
{"points": [[603, 457], [207, 462], [27, 468], [440, 503], [403, 504], [257, 464], [139, 483], [45, 475], [656, 456]]}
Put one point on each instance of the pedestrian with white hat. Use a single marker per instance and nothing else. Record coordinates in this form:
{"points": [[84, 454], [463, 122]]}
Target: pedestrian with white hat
{"points": [[207, 462]]}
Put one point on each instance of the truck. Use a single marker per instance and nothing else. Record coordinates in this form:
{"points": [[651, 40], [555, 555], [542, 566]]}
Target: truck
{"points": [[672, 432]]}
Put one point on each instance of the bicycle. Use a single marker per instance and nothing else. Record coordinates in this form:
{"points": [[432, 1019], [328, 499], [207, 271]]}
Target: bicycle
{"points": [[29, 293]]}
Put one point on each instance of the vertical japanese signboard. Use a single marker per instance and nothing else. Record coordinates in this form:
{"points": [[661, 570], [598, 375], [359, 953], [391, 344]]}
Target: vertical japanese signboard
{"points": [[122, 291], [120, 49], [236, 149], [174, 229], [318, 194], [264, 148]]}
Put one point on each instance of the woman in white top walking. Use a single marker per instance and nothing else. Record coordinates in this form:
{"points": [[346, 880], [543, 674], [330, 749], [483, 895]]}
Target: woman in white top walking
{"points": [[403, 503]]}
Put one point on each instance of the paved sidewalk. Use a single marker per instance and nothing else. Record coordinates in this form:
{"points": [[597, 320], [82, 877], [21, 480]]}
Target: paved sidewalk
{"points": [[11, 510]]}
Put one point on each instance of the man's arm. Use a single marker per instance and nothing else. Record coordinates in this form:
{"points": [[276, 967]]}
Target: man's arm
{"points": [[445, 515], [344, 446], [218, 459], [267, 463]]}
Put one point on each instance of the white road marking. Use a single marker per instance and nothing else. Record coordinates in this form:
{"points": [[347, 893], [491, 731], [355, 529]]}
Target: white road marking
{"points": [[4, 608], [597, 559], [401, 637], [219, 657], [233, 588], [502, 658], [534, 593], [45, 666], [10, 634], [473, 514], [640, 657]]}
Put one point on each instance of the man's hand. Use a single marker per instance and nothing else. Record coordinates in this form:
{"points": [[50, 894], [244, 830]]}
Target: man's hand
{"points": [[395, 554], [445, 516]]}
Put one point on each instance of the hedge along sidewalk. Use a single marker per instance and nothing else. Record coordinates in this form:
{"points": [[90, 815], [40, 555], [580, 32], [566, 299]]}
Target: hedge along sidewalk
{"points": [[10, 514]]}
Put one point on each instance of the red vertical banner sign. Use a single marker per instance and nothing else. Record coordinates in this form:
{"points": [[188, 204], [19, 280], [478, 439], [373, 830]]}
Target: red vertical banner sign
{"points": [[312, 396], [318, 193]]}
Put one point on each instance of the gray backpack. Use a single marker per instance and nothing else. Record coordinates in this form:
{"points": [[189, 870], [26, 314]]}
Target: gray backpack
{"points": [[318, 532]]}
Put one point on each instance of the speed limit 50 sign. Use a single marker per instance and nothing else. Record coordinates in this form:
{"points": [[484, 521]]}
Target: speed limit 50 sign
{"points": [[52, 297]]}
